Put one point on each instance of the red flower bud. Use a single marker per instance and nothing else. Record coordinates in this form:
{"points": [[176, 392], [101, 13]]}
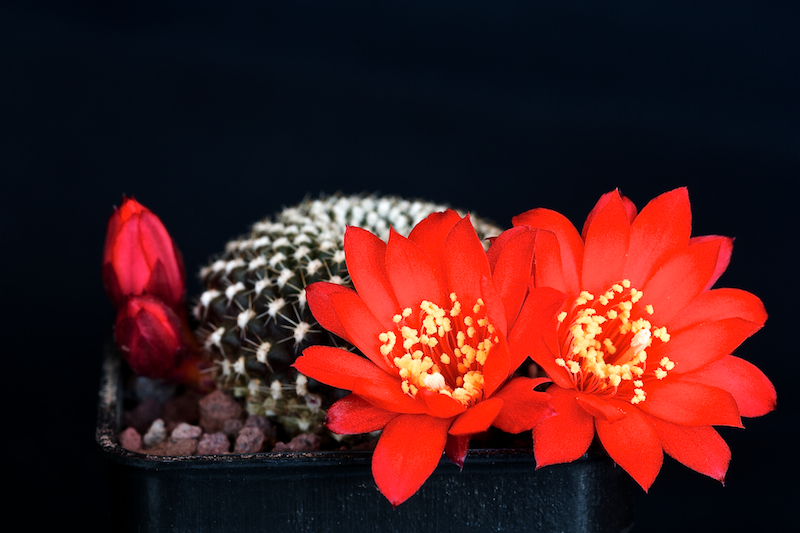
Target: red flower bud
{"points": [[140, 257], [150, 336]]}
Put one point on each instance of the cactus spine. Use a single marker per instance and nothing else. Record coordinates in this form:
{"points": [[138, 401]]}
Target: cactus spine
{"points": [[253, 315]]}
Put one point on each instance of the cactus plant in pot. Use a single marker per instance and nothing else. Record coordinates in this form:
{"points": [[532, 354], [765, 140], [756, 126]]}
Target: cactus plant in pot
{"points": [[380, 343]]}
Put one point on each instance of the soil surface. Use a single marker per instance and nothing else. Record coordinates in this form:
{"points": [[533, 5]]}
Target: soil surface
{"points": [[169, 421]]}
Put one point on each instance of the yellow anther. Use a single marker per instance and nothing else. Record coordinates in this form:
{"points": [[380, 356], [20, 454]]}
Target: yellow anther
{"points": [[660, 373], [661, 333], [397, 319], [561, 316], [560, 362], [453, 297], [649, 309], [445, 359], [626, 283], [407, 312], [617, 287], [461, 338], [574, 367]]}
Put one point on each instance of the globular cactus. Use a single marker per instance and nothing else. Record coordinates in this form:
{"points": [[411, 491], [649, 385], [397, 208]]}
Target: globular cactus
{"points": [[253, 314]]}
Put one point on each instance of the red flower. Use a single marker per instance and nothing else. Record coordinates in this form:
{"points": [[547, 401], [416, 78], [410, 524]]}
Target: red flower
{"points": [[150, 336], [637, 344], [432, 321], [140, 257]]}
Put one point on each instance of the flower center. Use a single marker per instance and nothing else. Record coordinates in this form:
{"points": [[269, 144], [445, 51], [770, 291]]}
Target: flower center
{"points": [[442, 350], [604, 348]]}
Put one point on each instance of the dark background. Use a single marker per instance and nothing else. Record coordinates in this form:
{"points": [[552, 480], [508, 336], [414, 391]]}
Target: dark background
{"points": [[215, 114]]}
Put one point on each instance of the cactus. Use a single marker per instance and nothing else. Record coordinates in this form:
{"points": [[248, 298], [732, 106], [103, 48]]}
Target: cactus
{"points": [[253, 316]]}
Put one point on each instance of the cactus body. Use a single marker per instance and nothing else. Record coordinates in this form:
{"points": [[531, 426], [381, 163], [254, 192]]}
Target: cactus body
{"points": [[253, 315]]}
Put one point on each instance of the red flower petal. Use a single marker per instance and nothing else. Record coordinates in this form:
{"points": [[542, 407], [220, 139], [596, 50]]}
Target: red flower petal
{"points": [[662, 228], [431, 232], [753, 391], [565, 436], [704, 343], [158, 246], [511, 259], [699, 447], [534, 334], [690, 403], [497, 367], [353, 415], [719, 304], [361, 326], [724, 259], [466, 263], [318, 296], [606, 248], [407, 453], [600, 407], [440, 405], [456, 449], [679, 280], [630, 209], [633, 444], [570, 242], [127, 251], [337, 367], [548, 270], [523, 408], [477, 418], [412, 274], [366, 262]]}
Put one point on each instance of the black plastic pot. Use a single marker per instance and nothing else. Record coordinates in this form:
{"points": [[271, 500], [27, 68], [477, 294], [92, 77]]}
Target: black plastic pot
{"points": [[498, 490]]}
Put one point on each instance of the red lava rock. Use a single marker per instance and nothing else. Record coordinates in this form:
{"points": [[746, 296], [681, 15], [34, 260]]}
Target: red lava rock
{"points": [[304, 442], [232, 427], [185, 431], [266, 427], [215, 409], [157, 449], [250, 440], [213, 444], [130, 439], [181, 447]]}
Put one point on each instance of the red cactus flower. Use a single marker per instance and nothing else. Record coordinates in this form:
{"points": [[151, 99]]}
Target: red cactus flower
{"points": [[150, 336], [431, 319], [140, 257], [623, 319]]}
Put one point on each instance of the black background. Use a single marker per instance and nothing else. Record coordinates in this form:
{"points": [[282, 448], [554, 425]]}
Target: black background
{"points": [[216, 114]]}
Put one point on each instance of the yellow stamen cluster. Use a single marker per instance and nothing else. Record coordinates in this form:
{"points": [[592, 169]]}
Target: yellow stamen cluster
{"points": [[604, 346], [442, 350]]}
